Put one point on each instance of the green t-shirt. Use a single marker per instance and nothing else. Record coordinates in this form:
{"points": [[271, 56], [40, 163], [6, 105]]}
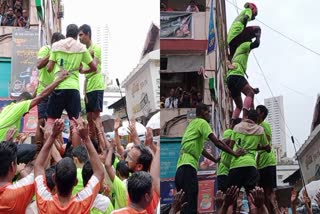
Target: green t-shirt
{"points": [[267, 159], [45, 78], [101, 205], [224, 164], [71, 61], [11, 116], [193, 141], [79, 185], [116, 161], [119, 193], [240, 59], [237, 25], [95, 80], [251, 135]]}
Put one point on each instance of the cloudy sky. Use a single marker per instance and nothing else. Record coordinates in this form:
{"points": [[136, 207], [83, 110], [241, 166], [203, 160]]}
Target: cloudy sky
{"points": [[290, 70], [128, 21]]}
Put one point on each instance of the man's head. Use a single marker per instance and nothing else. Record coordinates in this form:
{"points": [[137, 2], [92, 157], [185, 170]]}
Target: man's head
{"points": [[25, 13], [57, 37], [65, 176], [72, 31], [79, 155], [87, 172], [172, 92], [8, 160], [122, 169], [253, 8], [49, 179], [262, 112], [253, 115], [139, 158], [10, 11], [192, 3], [202, 111], [85, 34], [24, 96], [140, 188], [235, 122]]}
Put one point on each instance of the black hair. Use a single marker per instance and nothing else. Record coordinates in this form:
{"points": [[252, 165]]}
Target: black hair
{"points": [[24, 96], [200, 108], [68, 150], [72, 31], [86, 29], [66, 175], [264, 110], [253, 115], [145, 157], [139, 183], [8, 154], [122, 168], [87, 172], [49, 179], [56, 37], [80, 152]]}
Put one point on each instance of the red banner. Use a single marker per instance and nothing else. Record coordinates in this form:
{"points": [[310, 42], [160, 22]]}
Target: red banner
{"points": [[206, 196], [30, 121]]}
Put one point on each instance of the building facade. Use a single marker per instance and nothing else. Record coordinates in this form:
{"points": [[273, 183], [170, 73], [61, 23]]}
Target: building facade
{"points": [[277, 122]]}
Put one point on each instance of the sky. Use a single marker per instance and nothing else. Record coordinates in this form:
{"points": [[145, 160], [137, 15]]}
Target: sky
{"points": [[290, 70], [128, 22]]}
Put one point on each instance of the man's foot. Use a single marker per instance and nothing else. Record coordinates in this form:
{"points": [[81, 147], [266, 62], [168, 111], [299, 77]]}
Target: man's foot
{"points": [[256, 90]]}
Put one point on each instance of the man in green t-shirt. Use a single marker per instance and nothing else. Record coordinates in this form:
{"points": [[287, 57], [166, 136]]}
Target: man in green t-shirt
{"points": [[192, 146], [68, 54], [239, 32], [266, 162], [247, 135], [45, 78], [224, 163], [11, 115], [94, 86], [236, 81]]}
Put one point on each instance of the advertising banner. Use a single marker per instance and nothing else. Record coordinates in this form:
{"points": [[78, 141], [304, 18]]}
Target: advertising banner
{"points": [[176, 25], [24, 72]]}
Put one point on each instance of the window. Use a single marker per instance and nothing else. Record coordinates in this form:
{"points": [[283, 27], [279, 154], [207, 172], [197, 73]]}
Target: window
{"points": [[163, 63], [280, 176]]}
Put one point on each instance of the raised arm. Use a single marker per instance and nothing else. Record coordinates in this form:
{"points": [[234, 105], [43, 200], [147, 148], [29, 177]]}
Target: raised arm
{"points": [[83, 129], [108, 162], [40, 164], [155, 170]]}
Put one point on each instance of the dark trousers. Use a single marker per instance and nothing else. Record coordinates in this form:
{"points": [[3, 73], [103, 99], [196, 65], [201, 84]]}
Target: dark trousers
{"points": [[186, 179]]}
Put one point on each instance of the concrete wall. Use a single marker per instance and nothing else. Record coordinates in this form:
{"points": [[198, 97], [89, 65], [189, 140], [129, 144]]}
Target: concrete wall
{"points": [[284, 171]]}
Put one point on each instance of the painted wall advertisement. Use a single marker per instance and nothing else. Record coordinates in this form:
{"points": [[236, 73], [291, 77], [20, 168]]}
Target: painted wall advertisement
{"points": [[175, 25], [24, 72], [140, 95], [206, 196]]}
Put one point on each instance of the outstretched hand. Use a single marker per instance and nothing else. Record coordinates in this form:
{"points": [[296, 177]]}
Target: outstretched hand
{"points": [[178, 201], [82, 127], [10, 134], [219, 199], [231, 195], [117, 122], [57, 128], [256, 197]]}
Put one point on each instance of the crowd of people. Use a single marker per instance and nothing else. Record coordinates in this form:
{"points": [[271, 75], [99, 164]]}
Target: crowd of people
{"points": [[14, 13], [90, 173], [191, 7], [179, 98]]}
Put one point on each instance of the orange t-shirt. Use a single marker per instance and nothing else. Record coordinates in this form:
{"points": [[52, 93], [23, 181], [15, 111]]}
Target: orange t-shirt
{"points": [[80, 203], [128, 210], [14, 198], [152, 207]]}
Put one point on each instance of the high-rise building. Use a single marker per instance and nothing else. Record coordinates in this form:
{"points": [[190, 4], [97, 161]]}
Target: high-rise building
{"points": [[100, 36], [277, 122]]}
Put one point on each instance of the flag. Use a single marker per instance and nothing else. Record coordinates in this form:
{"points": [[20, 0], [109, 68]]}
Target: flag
{"points": [[211, 34]]}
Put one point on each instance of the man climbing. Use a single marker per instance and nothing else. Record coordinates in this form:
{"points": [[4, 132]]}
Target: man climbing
{"points": [[236, 81], [238, 32]]}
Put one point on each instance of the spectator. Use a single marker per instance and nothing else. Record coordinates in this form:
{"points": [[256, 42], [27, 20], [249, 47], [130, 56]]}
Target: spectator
{"points": [[23, 21], [66, 176], [192, 7], [140, 193], [10, 18], [79, 156], [162, 101], [23, 190], [172, 100]]}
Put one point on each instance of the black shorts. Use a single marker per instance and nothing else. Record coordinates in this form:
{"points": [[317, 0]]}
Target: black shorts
{"points": [[42, 108], [235, 84], [95, 101], [247, 34], [222, 182], [268, 177], [246, 177], [68, 99]]}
